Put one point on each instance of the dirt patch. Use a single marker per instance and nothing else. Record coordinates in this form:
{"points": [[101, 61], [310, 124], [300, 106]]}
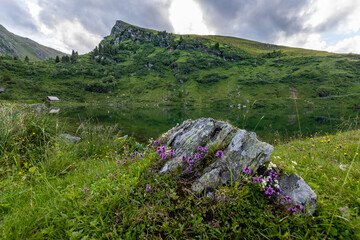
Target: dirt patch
{"points": [[293, 93]]}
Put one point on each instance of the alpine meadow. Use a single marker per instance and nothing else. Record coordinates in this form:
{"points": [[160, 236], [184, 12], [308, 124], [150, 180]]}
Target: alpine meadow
{"points": [[118, 157]]}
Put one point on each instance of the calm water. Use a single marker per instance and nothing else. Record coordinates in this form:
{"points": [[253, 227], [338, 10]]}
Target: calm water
{"points": [[269, 124]]}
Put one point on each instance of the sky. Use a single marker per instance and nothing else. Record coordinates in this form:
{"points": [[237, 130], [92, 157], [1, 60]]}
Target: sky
{"points": [[329, 25]]}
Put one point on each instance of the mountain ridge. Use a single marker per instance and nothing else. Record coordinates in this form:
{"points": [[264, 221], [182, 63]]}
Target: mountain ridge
{"points": [[14, 45], [255, 46]]}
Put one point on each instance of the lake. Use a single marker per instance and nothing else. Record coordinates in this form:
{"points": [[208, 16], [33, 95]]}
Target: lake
{"points": [[269, 124]]}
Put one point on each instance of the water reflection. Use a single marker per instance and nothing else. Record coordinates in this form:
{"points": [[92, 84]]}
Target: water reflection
{"points": [[145, 123]]}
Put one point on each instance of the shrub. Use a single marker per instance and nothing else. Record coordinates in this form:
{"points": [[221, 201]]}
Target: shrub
{"points": [[211, 78], [324, 91], [104, 85]]}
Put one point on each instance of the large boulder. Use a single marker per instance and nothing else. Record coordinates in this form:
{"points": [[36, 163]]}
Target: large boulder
{"points": [[240, 149]]}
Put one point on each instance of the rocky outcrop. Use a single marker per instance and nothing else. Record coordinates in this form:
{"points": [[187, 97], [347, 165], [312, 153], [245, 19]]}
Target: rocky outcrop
{"points": [[194, 144], [240, 149], [123, 31]]}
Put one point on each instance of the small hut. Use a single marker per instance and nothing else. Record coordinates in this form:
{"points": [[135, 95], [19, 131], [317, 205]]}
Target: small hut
{"points": [[53, 99]]}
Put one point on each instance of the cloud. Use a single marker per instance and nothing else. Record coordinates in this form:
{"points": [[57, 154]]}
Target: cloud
{"points": [[339, 16], [257, 19], [75, 36], [186, 17], [81, 24], [15, 15], [348, 45], [94, 19], [299, 23], [302, 40]]}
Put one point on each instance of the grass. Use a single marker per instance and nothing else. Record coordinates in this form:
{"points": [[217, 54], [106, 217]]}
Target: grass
{"points": [[85, 191], [189, 71], [24, 135]]}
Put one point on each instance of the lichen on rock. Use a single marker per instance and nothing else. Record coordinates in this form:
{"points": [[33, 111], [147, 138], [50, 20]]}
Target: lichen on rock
{"points": [[239, 149], [243, 149]]}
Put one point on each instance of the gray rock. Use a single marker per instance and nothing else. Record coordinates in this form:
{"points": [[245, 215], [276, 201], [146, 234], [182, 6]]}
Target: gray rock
{"points": [[218, 197], [296, 188], [241, 148], [2, 90], [39, 107], [69, 138], [54, 110]]}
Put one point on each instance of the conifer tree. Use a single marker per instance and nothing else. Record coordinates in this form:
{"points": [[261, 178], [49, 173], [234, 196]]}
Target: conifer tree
{"points": [[73, 57], [65, 59]]}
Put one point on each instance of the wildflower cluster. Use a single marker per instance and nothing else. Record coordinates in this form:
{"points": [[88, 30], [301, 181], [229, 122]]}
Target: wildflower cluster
{"points": [[219, 154], [270, 185], [268, 182], [134, 156], [165, 153], [159, 147], [189, 162]]}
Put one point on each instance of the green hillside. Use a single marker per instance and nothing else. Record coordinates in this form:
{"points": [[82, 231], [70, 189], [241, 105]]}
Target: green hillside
{"points": [[136, 66], [11, 44]]}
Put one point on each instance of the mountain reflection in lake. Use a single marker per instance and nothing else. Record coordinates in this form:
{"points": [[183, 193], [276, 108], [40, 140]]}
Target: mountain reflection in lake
{"points": [[269, 124]]}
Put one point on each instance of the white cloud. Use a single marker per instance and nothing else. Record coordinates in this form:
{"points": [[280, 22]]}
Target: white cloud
{"points": [[74, 36], [64, 35], [348, 45], [34, 10], [186, 17], [341, 16], [302, 40], [337, 18]]}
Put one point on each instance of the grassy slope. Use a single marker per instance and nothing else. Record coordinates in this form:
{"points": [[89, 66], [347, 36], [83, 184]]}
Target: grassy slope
{"points": [[261, 48], [191, 76], [12, 44], [42, 195]]}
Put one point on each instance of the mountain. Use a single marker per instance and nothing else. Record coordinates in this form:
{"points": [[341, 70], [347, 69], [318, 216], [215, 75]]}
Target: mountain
{"points": [[134, 65], [11, 44]]}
